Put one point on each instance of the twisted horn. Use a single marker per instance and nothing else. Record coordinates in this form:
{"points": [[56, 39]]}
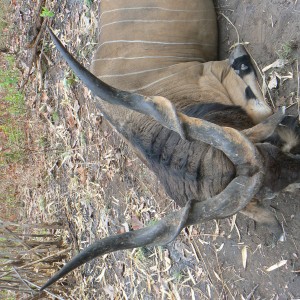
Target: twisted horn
{"points": [[234, 144], [235, 197]]}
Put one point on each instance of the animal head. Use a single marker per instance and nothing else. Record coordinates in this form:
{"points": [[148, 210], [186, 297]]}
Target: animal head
{"points": [[202, 127]]}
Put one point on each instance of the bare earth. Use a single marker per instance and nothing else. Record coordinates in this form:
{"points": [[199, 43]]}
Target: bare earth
{"points": [[99, 187]]}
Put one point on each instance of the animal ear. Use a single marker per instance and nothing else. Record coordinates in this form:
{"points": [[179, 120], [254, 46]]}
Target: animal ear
{"points": [[253, 99], [240, 61]]}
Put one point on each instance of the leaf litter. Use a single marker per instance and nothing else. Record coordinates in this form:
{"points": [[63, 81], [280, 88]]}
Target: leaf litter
{"points": [[84, 193]]}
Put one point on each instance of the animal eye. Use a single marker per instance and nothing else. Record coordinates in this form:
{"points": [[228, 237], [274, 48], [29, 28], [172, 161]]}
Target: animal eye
{"points": [[244, 67]]}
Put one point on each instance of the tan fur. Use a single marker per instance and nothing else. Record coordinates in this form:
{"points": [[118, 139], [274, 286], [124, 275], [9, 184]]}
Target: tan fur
{"points": [[185, 125], [162, 51], [174, 71], [183, 74]]}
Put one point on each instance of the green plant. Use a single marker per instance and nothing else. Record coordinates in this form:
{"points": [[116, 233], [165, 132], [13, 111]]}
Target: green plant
{"points": [[5, 26], [42, 203], [11, 157], [55, 117], [43, 142], [5, 295], [152, 222], [88, 2], [9, 199], [140, 254], [46, 13], [70, 79], [286, 50], [83, 139], [9, 78], [178, 276], [12, 103], [15, 136]]}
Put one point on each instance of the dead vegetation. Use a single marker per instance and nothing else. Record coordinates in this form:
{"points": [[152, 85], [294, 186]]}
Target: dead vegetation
{"points": [[25, 256], [79, 173]]}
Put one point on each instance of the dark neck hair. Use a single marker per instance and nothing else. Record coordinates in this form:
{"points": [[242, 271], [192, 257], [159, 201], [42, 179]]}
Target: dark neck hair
{"points": [[221, 114]]}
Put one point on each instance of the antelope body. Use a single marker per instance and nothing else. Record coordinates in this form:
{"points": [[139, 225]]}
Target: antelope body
{"points": [[157, 48], [195, 122]]}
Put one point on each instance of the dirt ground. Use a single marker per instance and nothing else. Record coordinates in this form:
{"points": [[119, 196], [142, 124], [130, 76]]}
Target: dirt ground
{"points": [[98, 187]]}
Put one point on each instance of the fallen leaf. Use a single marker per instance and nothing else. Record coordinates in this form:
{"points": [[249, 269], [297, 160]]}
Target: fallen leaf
{"points": [[71, 121], [44, 96], [284, 77], [168, 262], [277, 265], [126, 227], [86, 92], [220, 248], [99, 278], [217, 230], [233, 222], [82, 174], [109, 291], [136, 223], [70, 118], [244, 256], [279, 63], [273, 82], [76, 106], [264, 88], [217, 276]]}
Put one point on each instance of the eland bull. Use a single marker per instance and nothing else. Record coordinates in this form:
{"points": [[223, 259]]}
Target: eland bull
{"points": [[201, 125]]}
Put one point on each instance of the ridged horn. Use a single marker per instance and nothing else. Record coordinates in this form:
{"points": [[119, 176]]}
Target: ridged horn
{"points": [[235, 197], [239, 149], [234, 144]]}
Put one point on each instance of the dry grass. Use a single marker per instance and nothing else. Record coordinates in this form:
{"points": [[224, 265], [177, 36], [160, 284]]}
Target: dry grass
{"points": [[83, 175], [30, 237], [5, 27], [98, 182]]}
